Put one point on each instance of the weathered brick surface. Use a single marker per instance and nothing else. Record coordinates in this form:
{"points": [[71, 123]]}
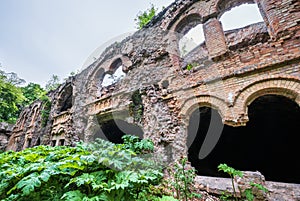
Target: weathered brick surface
{"points": [[5, 132], [214, 38], [230, 70]]}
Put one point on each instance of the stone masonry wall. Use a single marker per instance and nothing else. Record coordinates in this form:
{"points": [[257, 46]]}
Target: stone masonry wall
{"points": [[229, 71], [5, 132]]}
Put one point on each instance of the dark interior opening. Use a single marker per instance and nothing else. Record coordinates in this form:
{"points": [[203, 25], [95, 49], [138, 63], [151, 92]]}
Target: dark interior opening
{"points": [[29, 140], [117, 63], [268, 143], [38, 142], [113, 130], [61, 142], [66, 102], [53, 143]]}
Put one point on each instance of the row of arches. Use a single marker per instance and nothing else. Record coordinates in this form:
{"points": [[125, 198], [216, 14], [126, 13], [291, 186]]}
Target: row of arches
{"points": [[233, 107], [114, 73], [106, 75], [197, 25], [231, 19], [268, 143]]}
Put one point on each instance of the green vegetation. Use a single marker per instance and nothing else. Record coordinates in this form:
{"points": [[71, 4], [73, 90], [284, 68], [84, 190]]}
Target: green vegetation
{"points": [[232, 173], [31, 93], [11, 98], [46, 109], [102, 171], [183, 180], [136, 108], [190, 66], [14, 98], [99, 171], [53, 83], [145, 17], [247, 193], [136, 145]]}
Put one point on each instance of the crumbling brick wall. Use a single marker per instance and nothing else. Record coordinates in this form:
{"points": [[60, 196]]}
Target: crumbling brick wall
{"points": [[230, 70]]}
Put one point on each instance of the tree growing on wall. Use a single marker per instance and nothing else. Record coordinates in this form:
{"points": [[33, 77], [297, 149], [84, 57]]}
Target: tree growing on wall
{"points": [[145, 17]]}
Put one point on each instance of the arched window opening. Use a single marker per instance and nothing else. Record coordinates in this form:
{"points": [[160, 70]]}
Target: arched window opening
{"points": [[193, 38], [58, 139], [268, 143], [110, 79], [115, 65], [241, 16], [53, 143], [113, 130], [200, 122], [29, 141], [38, 142], [114, 75], [65, 103], [61, 142]]}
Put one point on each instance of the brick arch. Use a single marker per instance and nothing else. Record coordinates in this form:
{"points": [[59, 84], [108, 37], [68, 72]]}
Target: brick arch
{"points": [[226, 5], [186, 22], [287, 87], [205, 9], [189, 106], [58, 130], [108, 66]]}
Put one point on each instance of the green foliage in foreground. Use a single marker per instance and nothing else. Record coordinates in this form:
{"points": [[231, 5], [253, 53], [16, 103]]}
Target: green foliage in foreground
{"points": [[183, 180], [232, 173], [249, 193], [101, 171]]}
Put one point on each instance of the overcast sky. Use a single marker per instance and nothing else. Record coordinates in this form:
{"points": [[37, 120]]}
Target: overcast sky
{"points": [[39, 38]]}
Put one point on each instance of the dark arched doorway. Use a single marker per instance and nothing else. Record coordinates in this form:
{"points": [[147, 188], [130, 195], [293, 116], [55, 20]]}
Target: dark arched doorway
{"points": [[113, 130], [268, 143]]}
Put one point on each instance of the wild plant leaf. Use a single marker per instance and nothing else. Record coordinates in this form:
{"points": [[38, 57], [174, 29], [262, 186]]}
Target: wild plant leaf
{"points": [[231, 171], [29, 183], [249, 195], [89, 158], [82, 180], [95, 198], [45, 175], [73, 196], [32, 157], [259, 187], [101, 169], [69, 164]]}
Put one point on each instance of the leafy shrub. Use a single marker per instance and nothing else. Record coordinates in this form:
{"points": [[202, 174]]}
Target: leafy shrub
{"points": [[136, 145], [183, 179], [247, 193], [145, 17], [232, 173], [99, 171]]}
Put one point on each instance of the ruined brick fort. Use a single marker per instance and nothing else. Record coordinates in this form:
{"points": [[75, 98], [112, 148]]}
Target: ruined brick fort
{"points": [[233, 99]]}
